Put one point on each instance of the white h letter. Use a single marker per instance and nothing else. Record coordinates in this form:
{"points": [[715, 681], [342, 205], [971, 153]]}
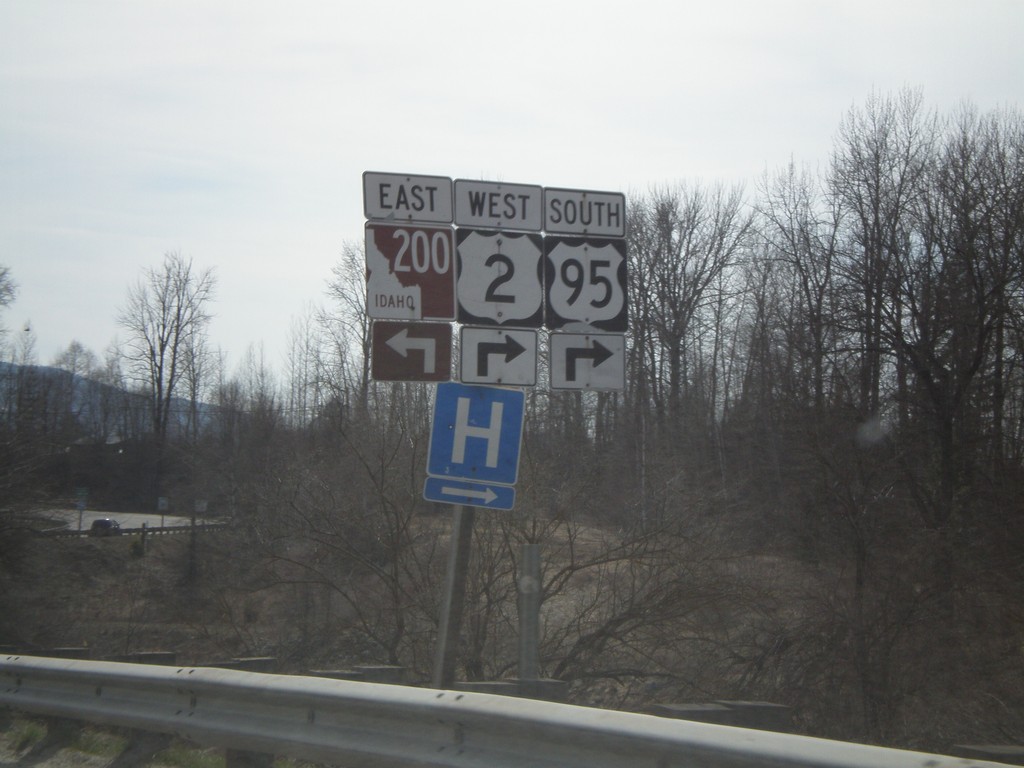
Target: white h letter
{"points": [[491, 433]]}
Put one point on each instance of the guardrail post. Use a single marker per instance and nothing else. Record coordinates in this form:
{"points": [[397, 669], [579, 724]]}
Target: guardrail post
{"points": [[60, 732], [142, 747], [529, 613], [193, 568], [236, 758]]}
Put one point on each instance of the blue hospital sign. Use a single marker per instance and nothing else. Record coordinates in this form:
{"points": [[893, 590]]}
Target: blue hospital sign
{"points": [[476, 433]]}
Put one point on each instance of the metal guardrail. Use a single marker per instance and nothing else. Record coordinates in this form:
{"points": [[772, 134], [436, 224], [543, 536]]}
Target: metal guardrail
{"points": [[369, 724], [67, 533]]}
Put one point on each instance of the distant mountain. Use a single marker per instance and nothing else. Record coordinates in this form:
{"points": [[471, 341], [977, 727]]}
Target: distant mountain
{"points": [[98, 412]]}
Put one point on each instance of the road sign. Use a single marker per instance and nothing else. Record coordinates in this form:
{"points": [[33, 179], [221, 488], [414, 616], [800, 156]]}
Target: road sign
{"points": [[411, 351], [403, 198], [498, 356], [476, 433], [451, 491], [584, 212], [499, 280], [587, 361], [496, 205], [410, 272], [585, 281]]}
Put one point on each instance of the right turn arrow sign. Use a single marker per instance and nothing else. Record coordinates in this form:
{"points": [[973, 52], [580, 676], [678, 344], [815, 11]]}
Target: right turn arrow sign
{"points": [[588, 361], [506, 356], [509, 349], [597, 354]]}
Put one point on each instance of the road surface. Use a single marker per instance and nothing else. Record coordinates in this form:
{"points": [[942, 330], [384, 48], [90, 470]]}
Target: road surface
{"points": [[83, 521]]}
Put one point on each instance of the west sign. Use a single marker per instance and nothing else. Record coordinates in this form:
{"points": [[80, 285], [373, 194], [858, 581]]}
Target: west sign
{"points": [[496, 205]]}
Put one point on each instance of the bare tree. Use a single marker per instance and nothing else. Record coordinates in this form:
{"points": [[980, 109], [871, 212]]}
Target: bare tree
{"points": [[692, 236], [346, 362], [165, 316], [8, 290], [198, 371], [304, 391], [877, 173], [801, 231]]}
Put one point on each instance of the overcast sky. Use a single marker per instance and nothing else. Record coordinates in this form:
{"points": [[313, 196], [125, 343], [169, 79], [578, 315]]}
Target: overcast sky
{"points": [[237, 133]]}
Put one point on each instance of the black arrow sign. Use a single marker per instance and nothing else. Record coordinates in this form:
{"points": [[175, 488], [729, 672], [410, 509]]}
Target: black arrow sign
{"points": [[598, 353], [509, 347]]}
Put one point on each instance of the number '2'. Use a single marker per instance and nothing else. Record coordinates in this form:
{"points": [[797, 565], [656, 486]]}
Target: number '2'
{"points": [[492, 290]]}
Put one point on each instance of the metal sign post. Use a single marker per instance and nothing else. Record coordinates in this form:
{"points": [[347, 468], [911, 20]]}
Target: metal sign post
{"points": [[454, 597]]}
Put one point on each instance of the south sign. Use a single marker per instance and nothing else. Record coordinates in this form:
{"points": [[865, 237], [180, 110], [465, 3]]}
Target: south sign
{"points": [[583, 212]]}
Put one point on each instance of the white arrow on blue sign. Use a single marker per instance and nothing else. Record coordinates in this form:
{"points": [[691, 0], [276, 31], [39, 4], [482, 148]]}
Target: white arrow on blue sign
{"points": [[454, 491], [476, 433]]}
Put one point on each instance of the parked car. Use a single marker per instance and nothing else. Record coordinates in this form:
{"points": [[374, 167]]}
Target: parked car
{"points": [[104, 526]]}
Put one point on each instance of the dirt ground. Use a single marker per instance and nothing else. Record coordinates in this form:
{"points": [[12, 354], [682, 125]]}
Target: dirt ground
{"points": [[36, 742], [44, 743]]}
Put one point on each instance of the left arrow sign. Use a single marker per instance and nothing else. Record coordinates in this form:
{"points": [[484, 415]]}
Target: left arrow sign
{"points": [[411, 351], [403, 344]]}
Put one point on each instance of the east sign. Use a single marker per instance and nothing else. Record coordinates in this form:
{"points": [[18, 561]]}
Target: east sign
{"points": [[402, 197]]}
